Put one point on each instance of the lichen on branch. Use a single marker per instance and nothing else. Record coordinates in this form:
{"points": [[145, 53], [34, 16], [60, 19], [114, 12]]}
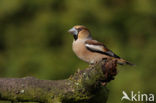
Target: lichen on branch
{"points": [[80, 87]]}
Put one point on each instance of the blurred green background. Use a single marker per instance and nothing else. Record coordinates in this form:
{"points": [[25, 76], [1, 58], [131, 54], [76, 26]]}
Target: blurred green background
{"points": [[34, 39]]}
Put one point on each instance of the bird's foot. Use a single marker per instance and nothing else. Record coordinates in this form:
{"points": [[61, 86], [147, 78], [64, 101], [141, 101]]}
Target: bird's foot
{"points": [[91, 65]]}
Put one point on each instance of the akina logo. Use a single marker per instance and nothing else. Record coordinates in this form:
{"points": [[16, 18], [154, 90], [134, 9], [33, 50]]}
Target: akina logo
{"points": [[137, 96]]}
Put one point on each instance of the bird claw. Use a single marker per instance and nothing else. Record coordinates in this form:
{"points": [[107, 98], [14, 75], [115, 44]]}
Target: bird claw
{"points": [[91, 65]]}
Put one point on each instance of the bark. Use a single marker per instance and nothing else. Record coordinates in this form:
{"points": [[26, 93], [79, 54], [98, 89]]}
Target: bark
{"points": [[83, 86]]}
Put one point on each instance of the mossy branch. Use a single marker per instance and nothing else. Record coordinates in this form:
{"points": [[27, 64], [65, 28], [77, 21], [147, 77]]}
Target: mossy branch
{"points": [[81, 87]]}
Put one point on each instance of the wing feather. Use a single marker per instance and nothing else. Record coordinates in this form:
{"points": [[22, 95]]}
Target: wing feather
{"points": [[98, 47]]}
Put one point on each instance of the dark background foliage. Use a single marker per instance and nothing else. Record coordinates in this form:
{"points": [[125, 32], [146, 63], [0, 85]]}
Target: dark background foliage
{"points": [[34, 39]]}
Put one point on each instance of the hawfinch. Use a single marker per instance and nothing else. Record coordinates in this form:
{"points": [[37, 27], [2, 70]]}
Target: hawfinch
{"points": [[89, 50]]}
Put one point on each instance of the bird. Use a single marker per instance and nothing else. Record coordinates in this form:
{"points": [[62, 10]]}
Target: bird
{"points": [[90, 50]]}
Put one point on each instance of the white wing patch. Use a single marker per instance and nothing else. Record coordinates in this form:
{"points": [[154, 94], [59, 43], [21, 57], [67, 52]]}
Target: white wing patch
{"points": [[95, 47], [100, 49]]}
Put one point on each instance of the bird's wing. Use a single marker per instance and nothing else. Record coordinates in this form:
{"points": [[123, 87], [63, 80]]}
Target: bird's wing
{"points": [[95, 46]]}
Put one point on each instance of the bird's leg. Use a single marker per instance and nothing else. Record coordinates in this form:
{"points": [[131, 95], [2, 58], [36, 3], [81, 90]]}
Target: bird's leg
{"points": [[91, 65], [101, 61]]}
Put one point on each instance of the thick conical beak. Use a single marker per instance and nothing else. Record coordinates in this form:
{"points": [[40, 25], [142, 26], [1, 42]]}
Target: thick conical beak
{"points": [[73, 31]]}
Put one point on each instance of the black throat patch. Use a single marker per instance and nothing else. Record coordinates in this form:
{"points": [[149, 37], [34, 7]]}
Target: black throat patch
{"points": [[75, 37]]}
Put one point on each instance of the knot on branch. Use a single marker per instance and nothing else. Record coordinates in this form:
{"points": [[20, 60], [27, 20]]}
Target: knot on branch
{"points": [[109, 69]]}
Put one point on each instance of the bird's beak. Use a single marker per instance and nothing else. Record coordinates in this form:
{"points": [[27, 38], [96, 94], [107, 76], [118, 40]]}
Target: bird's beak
{"points": [[73, 31]]}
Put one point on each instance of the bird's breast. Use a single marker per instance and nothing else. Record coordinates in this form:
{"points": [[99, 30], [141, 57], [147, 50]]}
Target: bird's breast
{"points": [[80, 50], [83, 53]]}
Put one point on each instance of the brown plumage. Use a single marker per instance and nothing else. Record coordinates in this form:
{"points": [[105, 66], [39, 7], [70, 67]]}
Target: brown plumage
{"points": [[90, 50]]}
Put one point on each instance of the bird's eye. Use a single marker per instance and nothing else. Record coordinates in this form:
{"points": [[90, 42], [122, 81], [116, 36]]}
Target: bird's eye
{"points": [[79, 29]]}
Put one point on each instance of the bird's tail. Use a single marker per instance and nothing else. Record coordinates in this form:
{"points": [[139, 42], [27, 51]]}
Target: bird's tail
{"points": [[124, 62]]}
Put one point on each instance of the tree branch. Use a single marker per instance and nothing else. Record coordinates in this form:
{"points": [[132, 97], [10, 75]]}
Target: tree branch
{"points": [[81, 87]]}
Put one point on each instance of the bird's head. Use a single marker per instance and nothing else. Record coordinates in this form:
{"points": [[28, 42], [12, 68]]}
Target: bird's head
{"points": [[80, 32]]}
